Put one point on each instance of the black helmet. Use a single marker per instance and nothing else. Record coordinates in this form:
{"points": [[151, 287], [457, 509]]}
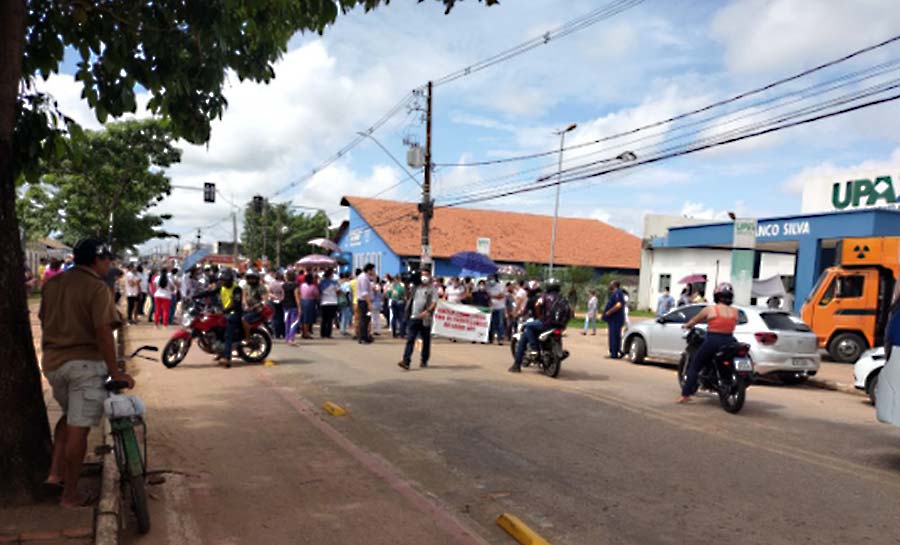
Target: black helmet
{"points": [[552, 285], [226, 275]]}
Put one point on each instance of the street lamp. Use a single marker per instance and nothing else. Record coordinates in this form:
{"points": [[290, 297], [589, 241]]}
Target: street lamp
{"points": [[562, 141]]}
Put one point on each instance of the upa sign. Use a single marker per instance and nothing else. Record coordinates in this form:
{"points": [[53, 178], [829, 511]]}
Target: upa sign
{"points": [[850, 193]]}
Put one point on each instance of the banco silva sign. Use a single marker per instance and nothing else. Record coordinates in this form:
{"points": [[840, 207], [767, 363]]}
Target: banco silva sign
{"points": [[851, 193]]}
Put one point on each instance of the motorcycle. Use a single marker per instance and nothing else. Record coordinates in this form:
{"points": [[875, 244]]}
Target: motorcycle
{"points": [[728, 375], [549, 355], [208, 328]]}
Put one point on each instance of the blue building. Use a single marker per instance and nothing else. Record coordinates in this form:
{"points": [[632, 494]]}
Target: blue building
{"points": [[388, 234], [812, 238]]}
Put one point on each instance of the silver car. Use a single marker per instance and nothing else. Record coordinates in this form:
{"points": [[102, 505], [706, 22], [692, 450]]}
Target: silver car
{"points": [[781, 345]]}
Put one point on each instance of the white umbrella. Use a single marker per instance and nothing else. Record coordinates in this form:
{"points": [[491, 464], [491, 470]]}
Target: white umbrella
{"points": [[325, 243]]}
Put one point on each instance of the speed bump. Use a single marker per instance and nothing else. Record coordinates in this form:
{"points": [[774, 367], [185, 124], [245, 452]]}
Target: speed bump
{"points": [[519, 530], [334, 409]]}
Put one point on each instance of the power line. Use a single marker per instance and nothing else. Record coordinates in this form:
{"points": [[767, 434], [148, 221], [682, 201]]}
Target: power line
{"points": [[678, 153], [708, 107], [570, 27], [749, 111]]}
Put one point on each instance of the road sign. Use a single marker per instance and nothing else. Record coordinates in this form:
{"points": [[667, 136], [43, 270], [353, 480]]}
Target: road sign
{"points": [[209, 192]]}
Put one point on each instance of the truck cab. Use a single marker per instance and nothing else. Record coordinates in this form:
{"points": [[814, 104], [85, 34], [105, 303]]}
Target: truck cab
{"points": [[848, 307]]}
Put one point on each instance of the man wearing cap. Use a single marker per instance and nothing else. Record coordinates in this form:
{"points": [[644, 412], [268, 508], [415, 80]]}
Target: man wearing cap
{"points": [[78, 316]]}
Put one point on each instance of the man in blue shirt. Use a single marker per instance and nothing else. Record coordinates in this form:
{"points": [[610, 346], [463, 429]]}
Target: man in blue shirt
{"points": [[666, 303], [614, 316]]}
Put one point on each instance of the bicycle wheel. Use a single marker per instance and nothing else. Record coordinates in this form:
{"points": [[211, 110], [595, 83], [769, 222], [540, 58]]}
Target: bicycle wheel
{"points": [[135, 480]]}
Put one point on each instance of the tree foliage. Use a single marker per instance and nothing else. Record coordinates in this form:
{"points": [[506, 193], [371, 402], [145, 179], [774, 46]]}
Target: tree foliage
{"points": [[279, 221], [115, 174]]}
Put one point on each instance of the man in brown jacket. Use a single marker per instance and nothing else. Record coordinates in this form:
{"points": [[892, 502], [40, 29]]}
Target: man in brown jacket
{"points": [[78, 316]]}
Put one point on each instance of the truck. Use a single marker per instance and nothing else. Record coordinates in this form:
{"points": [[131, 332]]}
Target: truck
{"points": [[849, 306]]}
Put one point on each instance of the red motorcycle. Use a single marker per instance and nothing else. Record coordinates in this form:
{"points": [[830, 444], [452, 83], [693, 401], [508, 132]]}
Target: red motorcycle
{"points": [[208, 327]]}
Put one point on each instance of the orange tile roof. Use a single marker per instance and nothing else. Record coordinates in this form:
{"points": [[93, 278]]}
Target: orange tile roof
{"points": [[515, 237]]}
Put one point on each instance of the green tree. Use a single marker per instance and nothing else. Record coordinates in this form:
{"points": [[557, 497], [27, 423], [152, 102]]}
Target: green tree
{"points": [[105, 184], [178, 52], [278, 225]]}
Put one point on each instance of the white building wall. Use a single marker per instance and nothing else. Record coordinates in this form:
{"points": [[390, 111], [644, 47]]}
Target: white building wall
{"points": [[681, 262]]}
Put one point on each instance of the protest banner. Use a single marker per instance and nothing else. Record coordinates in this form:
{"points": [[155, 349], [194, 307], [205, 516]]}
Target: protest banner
{"points": [[463, 322]]}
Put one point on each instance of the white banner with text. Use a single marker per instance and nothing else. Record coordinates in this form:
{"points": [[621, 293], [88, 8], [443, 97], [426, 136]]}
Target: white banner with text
{"points": [[463, 322]]}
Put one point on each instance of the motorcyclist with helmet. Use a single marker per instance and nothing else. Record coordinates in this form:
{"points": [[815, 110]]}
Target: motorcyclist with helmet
{"points": [[231, 298], [539, 306], [721, 319], [254, 299]]}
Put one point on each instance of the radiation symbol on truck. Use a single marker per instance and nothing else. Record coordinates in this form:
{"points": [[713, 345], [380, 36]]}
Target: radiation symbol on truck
{"points": [[861, 251]]}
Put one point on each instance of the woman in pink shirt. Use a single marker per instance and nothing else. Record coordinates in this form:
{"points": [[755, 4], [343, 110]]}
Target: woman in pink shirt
{"points": [[309, 300]]}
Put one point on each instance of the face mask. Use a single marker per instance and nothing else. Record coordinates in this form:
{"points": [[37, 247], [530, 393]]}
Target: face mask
{"points": [[426, 279]]}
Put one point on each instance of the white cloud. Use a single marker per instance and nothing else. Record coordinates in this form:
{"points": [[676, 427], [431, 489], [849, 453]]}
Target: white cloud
{"points": [[698, 210], [761, 36], [830, 171]]}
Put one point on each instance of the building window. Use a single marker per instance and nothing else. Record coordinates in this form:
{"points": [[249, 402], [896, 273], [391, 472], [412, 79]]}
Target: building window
{"points": [[665, 282], [361, 259]]}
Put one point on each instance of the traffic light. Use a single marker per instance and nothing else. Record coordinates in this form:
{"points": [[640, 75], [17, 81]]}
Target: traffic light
{"points": [[209, 192], [258, 201]]}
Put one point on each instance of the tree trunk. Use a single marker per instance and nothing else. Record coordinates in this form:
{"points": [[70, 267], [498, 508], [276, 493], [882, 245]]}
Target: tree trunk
{"points": [[24, 430]]}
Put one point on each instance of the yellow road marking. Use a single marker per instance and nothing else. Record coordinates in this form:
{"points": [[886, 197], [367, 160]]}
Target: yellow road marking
{"points": [[269, 363], [520, 531]]}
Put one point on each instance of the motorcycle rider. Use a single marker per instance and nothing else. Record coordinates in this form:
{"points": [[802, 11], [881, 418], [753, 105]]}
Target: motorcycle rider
{"points": [[721, 319], [231, 298], [540, 322], [254, 299]]}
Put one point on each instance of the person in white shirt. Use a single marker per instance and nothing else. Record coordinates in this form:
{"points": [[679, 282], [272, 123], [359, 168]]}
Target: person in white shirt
{"points": [[455, 291], [497, 293], [132, 293], [162, 297], [590, 319], [364, 302], [521, 298], [144, 276]]}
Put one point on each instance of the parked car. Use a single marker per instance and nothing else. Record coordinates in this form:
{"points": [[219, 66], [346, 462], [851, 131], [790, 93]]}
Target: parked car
{"points": [[867, 369], [781, 345], [887, 390]]}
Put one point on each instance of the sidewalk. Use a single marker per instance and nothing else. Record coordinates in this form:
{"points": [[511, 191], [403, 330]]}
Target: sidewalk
{"points": [[247, 459], [46, 522]]}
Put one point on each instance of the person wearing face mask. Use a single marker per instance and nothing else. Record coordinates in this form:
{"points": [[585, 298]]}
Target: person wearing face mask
{"points": [[419, 311], [231, 298]]}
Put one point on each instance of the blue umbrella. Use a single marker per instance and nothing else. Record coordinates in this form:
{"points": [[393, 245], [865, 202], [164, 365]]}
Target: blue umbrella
{"points": [[473, 261], [194, 258]]}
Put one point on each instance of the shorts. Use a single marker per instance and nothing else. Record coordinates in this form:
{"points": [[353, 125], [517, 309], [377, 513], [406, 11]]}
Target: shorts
{"points": [[78, 388]]}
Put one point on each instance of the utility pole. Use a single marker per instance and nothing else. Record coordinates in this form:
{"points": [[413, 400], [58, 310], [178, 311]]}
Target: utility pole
{"points": [[198, 240], [426, 208], [262, 258], [562, 142]]}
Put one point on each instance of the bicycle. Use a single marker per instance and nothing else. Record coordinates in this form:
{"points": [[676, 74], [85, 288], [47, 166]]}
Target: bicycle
{"points": [[125, 413]]}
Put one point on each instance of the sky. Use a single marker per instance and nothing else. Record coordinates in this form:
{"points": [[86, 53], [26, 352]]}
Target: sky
{"points": [[647, 64]]}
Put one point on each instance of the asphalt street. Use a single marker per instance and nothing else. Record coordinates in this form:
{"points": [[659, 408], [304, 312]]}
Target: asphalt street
{"points": [[600, 455]]}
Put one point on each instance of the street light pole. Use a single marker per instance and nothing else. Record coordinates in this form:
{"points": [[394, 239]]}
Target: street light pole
{"points": [[562, 141]]}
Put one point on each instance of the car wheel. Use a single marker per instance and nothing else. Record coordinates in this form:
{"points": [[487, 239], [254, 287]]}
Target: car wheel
{"points": [[872, 384], [637, 349], [846, 347]]}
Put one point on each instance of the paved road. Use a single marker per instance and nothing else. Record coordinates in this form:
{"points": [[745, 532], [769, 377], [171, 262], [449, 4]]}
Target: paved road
{"points": [[601, 455]]}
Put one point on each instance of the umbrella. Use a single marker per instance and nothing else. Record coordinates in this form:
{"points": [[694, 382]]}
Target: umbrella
{"points": [[511, 270], [316, 260], [194, 258], [473, 261], [325, 243], [693, 279]]}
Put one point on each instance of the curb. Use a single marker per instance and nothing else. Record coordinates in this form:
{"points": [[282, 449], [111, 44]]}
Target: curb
{"points": [[107, 522], [834, 386]]}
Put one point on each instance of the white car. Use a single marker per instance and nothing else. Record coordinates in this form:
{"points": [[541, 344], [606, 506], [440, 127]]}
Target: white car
{"points": [[887, 391], [867, 369], [781, 345]]}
